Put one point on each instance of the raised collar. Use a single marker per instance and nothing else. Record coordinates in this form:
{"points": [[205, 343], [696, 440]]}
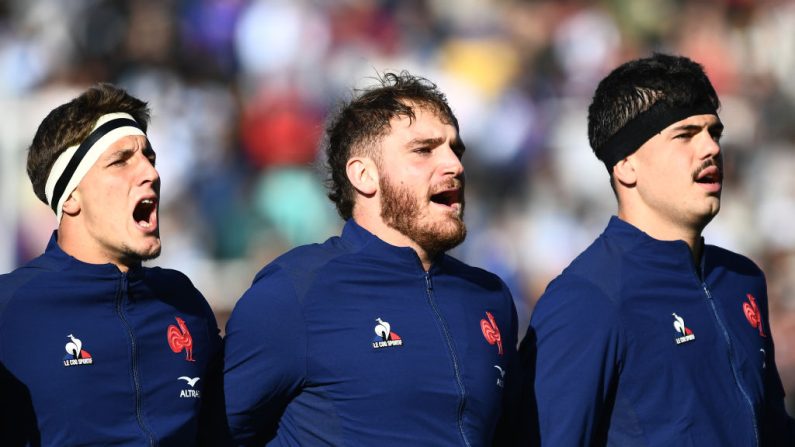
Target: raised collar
{"points": [[359, 239], [639, 245], [54, 257]]}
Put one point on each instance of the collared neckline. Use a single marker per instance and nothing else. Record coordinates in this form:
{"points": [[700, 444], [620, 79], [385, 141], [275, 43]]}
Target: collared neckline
{"points": [[677, 252], [360, 238], [63, 259]]}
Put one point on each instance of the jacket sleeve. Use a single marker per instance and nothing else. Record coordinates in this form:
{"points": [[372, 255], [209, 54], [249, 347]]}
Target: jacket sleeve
{"points": [[778, 428], [571, 357], [505, 432], [18, 424], [265, 357], [213, 428]]}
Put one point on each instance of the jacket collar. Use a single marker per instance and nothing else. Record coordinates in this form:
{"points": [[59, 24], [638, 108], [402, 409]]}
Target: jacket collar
{"points": [[637, 244], [54, 257], [361, 240]]}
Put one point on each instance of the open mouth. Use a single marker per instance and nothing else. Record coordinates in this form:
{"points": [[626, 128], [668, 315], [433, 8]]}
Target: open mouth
{"points": [[709, 175], [145, 213], [449, 198]]}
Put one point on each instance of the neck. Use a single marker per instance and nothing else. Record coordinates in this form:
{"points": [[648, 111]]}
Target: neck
{"points": [[375, 225], [84, 249], [665, 230]]}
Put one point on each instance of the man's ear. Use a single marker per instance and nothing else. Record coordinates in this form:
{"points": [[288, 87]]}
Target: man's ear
{"points": [[71, 205], [624, 171], [363, 174]]}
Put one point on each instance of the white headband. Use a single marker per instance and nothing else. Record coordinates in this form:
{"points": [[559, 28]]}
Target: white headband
{"points": [[73, 164]]}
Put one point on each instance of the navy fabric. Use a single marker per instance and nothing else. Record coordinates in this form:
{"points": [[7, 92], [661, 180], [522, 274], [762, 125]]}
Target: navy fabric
{"points": [[609, 362], [304, 365], [123, 386]]}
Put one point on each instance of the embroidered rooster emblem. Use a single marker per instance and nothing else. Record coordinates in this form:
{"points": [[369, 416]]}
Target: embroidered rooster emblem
{"points": [[751, 311], [179, 338], [491, 331]]}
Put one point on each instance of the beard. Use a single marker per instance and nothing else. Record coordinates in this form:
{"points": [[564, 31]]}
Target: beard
{"points": [[401, 211], [136, 256]]}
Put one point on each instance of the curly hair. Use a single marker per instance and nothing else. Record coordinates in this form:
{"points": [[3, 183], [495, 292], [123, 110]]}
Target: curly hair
{"points": [[359, 125]]}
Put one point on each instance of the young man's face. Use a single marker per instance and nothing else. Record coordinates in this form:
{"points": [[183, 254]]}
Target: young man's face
{"points": [[680, 172], [421, 181], [118, 201]]}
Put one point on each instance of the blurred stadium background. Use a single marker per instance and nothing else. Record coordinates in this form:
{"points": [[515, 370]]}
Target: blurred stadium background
{"points": [[240, 90]]}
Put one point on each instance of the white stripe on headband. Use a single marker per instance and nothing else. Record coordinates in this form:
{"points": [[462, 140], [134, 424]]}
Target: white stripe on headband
{"points": [[73, 164]]}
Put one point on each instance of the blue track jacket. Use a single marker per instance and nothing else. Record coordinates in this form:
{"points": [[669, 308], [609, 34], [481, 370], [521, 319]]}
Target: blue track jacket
{"points": [[92, 356], [352, 343], [632, 345]]}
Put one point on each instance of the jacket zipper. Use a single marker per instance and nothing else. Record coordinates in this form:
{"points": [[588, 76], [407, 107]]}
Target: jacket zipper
{"points": [[451, 350], [735, 373], [136, 379]]}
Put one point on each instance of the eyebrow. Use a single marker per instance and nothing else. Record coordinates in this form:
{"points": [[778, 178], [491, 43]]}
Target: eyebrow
{"points": [[456, 144], [121, 153], [426, 142], [696, 128]]}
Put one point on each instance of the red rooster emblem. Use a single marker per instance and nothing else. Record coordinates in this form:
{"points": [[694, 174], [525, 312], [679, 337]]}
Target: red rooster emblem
{"points": [[491, 331], [751, 311], [179, 338]]}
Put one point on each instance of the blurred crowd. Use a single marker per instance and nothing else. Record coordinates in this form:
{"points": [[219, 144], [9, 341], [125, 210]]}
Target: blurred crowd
{"points": [[240, 90]]}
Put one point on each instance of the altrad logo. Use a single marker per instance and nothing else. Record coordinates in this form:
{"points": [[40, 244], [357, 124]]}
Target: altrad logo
{"points": [[189, 392], [384, 337], [75, 354], [684, 332], [501, 378]]}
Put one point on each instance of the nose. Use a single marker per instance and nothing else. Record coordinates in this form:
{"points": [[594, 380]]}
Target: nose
{"points": [[452, 162], [148, 172], [710, 147]]}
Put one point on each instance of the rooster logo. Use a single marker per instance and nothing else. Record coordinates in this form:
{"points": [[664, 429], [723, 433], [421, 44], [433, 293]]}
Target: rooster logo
{"points": [[684, 331], [384, 336], [179, 338], [491, 331], [382, 329], [74, 349], [75, 354], [751, 311], [679, 325]]}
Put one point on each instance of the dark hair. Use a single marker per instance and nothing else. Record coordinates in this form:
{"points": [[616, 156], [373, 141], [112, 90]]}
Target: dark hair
{"points": [[71, 123], [635, 86], [359, 125]]}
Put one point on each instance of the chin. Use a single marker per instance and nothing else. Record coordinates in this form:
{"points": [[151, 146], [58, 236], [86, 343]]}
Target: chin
{"points": [[713, 211], [146, 252], [152, 254], [443, 236]]}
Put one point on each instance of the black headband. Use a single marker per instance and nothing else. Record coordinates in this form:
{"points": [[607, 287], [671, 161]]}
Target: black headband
{"points": [[640, 129]]}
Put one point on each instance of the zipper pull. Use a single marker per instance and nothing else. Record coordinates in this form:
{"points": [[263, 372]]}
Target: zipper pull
{"points": [[428, 282]]}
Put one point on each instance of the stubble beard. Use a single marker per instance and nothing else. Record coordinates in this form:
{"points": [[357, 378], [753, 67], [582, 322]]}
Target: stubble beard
{"points": [[401, 211], [136, 256]]}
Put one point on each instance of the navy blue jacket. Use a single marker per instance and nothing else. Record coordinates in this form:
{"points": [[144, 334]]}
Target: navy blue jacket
{"points": [[351, 342], [92, 356], [634, 345]]}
